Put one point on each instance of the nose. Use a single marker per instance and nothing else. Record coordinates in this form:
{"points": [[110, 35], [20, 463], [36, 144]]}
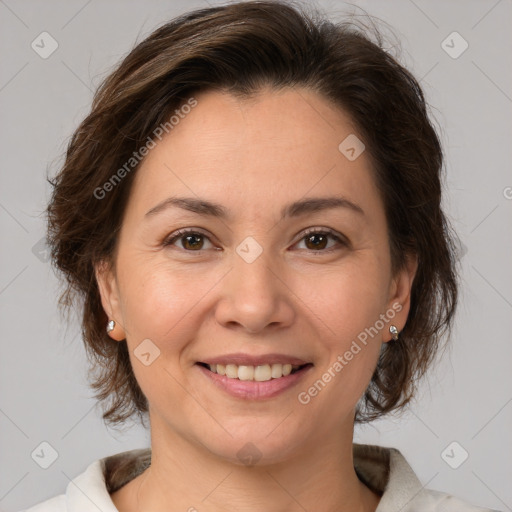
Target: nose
{"points": [[255, 296]]}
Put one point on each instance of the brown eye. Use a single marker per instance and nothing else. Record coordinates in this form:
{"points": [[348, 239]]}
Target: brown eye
{"points": [[316, 240], [192, 241]]}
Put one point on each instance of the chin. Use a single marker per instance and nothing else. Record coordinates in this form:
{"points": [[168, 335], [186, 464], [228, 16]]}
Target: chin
{"points": [[262, 443]]}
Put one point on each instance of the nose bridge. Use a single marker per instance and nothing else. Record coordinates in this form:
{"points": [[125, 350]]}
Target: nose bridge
{"points": [[254, 295], [254, 266]]}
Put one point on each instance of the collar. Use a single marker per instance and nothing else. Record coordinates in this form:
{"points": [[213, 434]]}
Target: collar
{"points": [[384, 470]]}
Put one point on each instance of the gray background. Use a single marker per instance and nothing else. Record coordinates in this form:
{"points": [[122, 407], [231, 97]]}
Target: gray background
{"points": [[43, 390]]}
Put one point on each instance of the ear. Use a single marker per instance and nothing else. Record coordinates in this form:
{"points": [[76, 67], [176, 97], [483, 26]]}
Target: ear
{"points": [[400, 294], [110, 298]]}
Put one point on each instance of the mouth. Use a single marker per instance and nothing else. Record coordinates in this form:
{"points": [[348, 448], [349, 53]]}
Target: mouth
{"points": [[254, 382], [258, 373]]}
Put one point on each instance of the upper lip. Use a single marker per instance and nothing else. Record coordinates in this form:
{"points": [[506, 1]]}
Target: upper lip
{"points": [[251, 360]]}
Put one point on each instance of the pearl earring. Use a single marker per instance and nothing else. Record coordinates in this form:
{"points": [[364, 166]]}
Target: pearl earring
{"points": [[394, 332], [110, 326]]}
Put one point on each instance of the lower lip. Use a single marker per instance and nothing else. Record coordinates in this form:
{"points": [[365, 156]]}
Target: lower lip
{"points": [[252, 390]]}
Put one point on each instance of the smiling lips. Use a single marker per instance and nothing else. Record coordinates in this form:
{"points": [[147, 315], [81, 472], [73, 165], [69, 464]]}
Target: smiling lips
{"points": [[251, 377], [260, 373], [245, 367]]}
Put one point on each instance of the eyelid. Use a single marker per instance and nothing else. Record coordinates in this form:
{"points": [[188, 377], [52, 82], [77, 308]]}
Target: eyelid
{"points": [[339, 237], [180, 233]]}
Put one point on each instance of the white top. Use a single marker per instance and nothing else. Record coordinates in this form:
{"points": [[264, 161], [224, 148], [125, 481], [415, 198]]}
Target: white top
{"points": [[383, 470]]}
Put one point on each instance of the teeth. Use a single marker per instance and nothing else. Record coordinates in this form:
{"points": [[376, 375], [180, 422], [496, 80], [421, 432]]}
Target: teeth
{"points": [[262, 373], [246, 372], [259, 373], [231, 371], [276, 371]]}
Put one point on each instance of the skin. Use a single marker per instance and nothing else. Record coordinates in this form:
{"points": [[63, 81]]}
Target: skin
{"points": [[253, 157]]}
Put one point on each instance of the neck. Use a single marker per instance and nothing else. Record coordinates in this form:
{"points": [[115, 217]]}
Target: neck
{"points": [[321, 477]]}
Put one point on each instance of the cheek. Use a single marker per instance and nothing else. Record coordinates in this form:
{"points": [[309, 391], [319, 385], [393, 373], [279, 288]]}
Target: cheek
{"points": [[161, 303], [346, 300], [158, 299], [347, 311]]}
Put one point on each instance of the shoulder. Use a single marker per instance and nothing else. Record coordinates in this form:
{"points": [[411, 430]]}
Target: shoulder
{"points": [[405, 489], [97, 482], [387, 472]]}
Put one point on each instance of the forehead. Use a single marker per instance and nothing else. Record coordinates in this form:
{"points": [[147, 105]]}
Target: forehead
{"points": [[257, 152]]}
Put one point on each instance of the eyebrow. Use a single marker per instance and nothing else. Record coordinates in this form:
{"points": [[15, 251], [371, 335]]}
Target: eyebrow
{"points": [[295, 209]]}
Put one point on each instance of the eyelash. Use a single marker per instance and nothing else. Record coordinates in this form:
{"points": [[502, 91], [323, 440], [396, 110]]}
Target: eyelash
{"points": [[324, 231]]}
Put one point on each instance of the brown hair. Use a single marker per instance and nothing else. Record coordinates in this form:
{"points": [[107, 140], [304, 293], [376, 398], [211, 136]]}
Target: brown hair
{"points": [[239, 48]]}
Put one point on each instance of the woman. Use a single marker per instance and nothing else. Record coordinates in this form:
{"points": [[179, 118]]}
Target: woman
{"points": [[251, 214]]}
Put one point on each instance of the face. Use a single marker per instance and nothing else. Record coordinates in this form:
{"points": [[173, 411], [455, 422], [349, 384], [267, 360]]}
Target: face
{"points": [[253, 288]]}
